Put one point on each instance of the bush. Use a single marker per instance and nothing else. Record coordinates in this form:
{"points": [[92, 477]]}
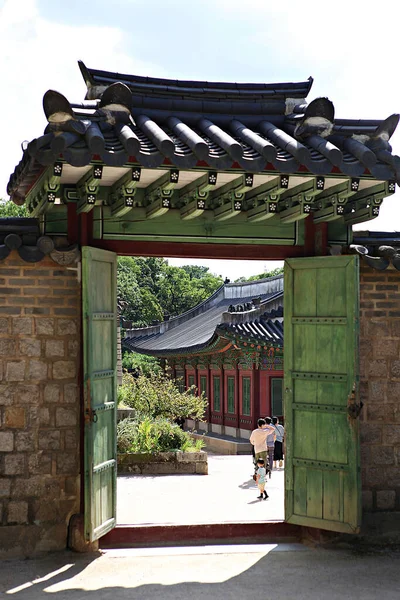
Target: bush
{"points": [[156, 395], [150, 436]]}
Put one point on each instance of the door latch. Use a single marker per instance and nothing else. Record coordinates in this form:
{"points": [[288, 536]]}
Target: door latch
{"points": [[91, 416], [353, 407]]}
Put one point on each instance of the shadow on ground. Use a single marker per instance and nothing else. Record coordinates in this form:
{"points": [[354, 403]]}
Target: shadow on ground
{"points": [[309, 574]]}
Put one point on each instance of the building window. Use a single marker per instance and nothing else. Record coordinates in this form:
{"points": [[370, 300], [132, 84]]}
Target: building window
{"points": [[217, 393], [231, 394], [277, 396], [246, 393], [180, 380], [203, 385], [191, 382]]}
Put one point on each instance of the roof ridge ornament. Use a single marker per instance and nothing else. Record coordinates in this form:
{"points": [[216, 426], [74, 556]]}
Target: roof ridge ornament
{"points": [[318, 119]]}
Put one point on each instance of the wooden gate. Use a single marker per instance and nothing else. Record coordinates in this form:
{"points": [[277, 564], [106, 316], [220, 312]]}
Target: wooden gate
{"points": [[322, 470], [100, 389]]}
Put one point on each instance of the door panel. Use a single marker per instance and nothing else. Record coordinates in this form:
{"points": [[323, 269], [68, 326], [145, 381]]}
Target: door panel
{"points": [[100, 388], [321, 383]]}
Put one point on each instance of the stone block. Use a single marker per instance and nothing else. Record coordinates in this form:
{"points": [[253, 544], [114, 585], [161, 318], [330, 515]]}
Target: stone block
{"points": [[17, 512], [44, 326], [15, 417], [71, 486], [73, 348], [371, 433], [385, 348], [37, 370], [6, 395], [392, 476], [395, 369], [27, 394], [377, 391], [71, 393], [381, 412], [30, 347], [64, 369], [4, 325], [52, 393], [377, 368], [65, 417], [392, 435], [6, 441], [385, 499], [383, 455], [373, 478], [202, 468], [22, 325], [395, 327], [54, 348], [15, 370], [5, 487], [25, 441], [7, 347], [393, 392], [71, 439], [377, 329], [39, 464], [14, 464], [66, 327], [49, 440], [67, 463]]}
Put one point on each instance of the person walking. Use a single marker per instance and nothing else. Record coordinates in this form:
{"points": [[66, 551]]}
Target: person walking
{"points": [[258, 438], [261, 475], [279, 437], [270, 443]]}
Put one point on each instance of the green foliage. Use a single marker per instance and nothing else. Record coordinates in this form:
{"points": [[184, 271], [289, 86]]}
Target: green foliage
{"points": [[141, 363], [9, 209], [158, 396], [149, 436], [149, 288], [264, 275]]}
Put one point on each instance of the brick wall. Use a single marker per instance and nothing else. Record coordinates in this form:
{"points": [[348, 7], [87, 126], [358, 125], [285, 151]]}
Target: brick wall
{"points": [[380, 388], [39, 404]]}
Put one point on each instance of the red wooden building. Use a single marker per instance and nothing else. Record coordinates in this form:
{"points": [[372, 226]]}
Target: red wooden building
{"points": [[231, 348]]}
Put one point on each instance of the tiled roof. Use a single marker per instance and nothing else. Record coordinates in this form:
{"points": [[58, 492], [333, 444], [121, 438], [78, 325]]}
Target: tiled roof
{"points": [[210, 125], [200, 327]]}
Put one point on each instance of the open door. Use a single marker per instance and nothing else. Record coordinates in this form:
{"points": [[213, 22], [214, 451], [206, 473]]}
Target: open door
{"points": [[99, 273], [322, 467]]}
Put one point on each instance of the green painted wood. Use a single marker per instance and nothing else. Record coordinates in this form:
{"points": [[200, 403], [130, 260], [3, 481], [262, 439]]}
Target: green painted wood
{"points": [[217, 393], [322, 468], [231, 394], [99, 295], [246, 395]]}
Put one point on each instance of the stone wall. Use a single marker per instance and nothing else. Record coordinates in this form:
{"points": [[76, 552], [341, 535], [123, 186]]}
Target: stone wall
{"points": [[39, 404], [380, 388]]}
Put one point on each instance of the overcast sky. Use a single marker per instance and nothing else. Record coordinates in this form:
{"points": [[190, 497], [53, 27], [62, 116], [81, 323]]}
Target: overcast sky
{"points": [[349, 47]]}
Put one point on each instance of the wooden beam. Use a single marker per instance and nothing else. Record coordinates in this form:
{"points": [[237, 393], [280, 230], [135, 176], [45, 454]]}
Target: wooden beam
{"points": [[199, 250], [228, 201], [87, 188], [123, 191], [158, 195]]}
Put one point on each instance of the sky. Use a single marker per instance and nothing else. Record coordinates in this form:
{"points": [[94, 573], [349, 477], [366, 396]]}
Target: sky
{"points": [[350, 48]]}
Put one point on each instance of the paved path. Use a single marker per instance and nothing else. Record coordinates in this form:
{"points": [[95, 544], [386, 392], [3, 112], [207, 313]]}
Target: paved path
{"points": [[226, 495], [203, 573]]}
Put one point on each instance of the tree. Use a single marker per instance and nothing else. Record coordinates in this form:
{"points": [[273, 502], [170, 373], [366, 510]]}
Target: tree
{"points": [[9, 209], [264, 275]]}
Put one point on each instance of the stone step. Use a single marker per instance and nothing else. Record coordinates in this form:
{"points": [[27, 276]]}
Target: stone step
{"points": [[135, 536]]}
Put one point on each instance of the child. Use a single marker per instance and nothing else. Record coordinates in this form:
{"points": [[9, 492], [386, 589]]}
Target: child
{"points": [[261, 474]]}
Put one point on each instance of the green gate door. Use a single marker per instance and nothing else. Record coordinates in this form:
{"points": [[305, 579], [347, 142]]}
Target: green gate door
{"points": [[100, 389], [322, 469]]}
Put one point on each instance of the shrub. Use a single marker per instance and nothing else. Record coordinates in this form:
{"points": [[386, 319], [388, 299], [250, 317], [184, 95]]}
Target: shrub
{"points": [[156, 395], [150, 436]]}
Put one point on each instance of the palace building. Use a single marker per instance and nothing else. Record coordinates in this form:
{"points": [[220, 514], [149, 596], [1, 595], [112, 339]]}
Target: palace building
{"points": [[230, 347]]}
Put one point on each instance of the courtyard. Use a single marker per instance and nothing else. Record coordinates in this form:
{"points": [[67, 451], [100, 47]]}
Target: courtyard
{"points": [[227, 494]]}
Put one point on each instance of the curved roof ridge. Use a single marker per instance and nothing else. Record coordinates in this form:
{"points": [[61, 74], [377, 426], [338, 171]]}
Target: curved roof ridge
{"points": [[152, 85]]}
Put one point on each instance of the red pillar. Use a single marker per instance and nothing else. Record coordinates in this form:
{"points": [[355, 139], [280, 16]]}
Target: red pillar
{"points": [[256, 396]]}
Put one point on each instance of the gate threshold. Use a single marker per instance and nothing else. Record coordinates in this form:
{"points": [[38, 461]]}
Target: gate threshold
{"points": [[135, 536]]}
